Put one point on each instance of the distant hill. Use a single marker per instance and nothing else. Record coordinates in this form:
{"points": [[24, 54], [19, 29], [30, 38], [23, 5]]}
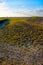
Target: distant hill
{"points": [[35, 19]]}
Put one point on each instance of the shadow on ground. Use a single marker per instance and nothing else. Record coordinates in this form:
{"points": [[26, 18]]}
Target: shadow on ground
{"points": [[3, 23]]}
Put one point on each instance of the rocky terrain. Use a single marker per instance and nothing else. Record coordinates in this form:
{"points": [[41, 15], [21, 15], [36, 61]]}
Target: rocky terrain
{"points": [[21, 43]]}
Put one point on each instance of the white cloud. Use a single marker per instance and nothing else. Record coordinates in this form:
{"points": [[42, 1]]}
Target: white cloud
{"points": [[5, 11]]}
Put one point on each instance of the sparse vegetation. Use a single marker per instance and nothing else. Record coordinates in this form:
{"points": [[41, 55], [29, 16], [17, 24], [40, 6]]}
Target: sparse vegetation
{"points": [[21, 42], [35, 17]]}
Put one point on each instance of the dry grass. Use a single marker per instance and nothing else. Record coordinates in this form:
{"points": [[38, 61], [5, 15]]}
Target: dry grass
{"points": [[26, 41]]}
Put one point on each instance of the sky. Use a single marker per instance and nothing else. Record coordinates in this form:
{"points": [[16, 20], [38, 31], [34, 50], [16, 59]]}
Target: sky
{"points": [[21, 8]]}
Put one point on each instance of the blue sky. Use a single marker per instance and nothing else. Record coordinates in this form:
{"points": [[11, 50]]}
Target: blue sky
{"points": [[25, 3], [21, 8]]}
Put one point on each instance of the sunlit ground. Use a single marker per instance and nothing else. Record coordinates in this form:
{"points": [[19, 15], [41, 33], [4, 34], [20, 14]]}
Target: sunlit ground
{"points": [[21, 42]]}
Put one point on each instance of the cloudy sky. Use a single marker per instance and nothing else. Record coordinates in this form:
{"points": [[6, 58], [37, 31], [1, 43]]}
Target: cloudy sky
{"points": [[21, 8]]}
